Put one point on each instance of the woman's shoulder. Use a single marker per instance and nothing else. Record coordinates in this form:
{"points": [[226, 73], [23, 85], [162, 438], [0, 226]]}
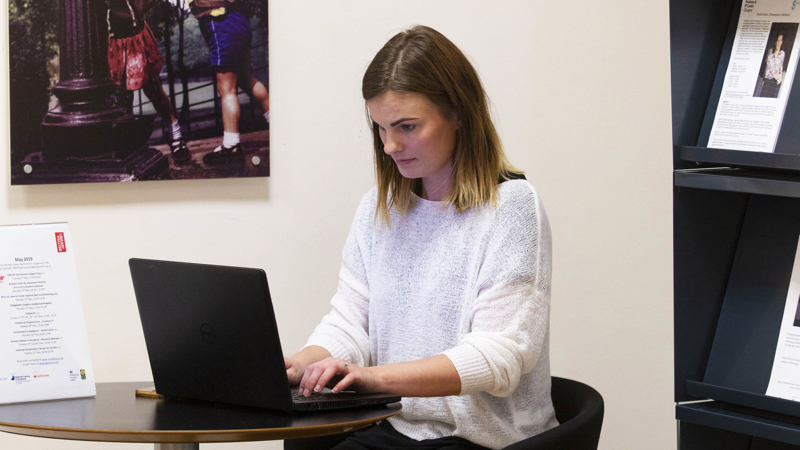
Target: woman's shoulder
{"points": [[518, 198], [366, 206], [517, 190], [370, 198]]}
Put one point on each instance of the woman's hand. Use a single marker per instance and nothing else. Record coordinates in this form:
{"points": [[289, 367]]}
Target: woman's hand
{"points": [[297, 363], [314, 369], [294, 371], [339, 374]]}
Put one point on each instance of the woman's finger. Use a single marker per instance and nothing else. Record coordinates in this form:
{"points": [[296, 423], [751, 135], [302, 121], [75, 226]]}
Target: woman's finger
{"points": [[344, 383], [310, 378]]}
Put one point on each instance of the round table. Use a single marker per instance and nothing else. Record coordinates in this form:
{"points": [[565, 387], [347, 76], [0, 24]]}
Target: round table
{"points": [[116, 414]]}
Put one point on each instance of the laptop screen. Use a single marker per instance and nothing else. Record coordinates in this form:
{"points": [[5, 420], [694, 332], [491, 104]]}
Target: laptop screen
{"points": [[211, 333]]}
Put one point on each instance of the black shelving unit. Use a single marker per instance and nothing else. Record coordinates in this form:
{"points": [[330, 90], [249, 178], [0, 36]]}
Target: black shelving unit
{"points": [[736, 226]]}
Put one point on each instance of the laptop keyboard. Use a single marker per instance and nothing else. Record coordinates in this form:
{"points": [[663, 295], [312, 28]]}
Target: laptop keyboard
{"points": [[326, 394], [314, 396]]}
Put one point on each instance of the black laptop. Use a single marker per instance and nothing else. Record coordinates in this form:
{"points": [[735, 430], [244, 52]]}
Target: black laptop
{"points": [[211, 335]]}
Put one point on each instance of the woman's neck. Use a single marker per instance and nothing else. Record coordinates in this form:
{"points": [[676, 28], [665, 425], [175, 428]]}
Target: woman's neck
{"points": [[438, 192]]}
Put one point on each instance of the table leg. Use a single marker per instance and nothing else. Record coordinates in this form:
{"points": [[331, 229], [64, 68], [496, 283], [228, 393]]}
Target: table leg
{"points": [[183, 446]]}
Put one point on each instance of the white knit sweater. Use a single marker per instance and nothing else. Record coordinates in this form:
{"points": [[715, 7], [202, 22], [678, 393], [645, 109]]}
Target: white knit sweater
{"points": [[474, 286]]}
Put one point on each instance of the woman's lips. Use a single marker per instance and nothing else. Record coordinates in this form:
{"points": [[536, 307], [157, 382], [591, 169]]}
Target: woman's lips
{"points": [[404, 162]]}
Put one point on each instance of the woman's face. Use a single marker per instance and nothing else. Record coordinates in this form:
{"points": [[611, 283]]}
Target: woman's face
{"points": [[779, 42], [418, 137]]}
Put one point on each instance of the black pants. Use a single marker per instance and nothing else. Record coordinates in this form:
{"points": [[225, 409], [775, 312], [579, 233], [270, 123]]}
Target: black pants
{"points": [[380, 437], [770, 89]]}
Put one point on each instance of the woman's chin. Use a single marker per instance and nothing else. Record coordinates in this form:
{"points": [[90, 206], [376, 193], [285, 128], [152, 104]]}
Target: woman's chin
{"points": [[407, 173]]}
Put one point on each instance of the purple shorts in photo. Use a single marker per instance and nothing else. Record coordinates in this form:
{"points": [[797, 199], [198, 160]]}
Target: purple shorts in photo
{"points": [[228, 39]]}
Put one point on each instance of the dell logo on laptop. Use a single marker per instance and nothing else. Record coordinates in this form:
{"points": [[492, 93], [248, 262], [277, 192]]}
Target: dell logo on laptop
{"points": [[207, 333]]}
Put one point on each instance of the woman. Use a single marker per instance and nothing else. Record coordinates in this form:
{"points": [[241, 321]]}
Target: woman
{"points": [[135, 62], [774, 72], [443, 293]]}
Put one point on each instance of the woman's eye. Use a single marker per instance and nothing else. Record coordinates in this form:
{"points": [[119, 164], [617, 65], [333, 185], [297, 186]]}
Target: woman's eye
{"points": [[407, 127]]}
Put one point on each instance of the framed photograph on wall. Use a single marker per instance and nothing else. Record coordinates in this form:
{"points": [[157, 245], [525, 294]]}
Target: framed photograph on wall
{"points": [[133, 90]]}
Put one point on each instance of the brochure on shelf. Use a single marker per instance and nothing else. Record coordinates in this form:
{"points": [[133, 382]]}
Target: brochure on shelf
{"points": [[739, 363], [44, 349], [784, 381], [757, 77]]}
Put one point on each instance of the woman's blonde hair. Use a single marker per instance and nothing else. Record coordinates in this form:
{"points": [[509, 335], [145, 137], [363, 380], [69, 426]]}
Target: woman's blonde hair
{"points": [[424, 61]]}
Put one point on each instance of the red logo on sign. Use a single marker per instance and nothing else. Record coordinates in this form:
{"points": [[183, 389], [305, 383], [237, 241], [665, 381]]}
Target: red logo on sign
{"points": [[2, 277], [60, 244]]}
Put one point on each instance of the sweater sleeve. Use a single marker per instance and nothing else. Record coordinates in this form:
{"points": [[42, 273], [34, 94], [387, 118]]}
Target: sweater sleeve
{"points": [[509, 318], [344, 330]]}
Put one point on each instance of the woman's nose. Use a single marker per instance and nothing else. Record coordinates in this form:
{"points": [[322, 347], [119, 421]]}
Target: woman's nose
{"points": [[391, 143]]}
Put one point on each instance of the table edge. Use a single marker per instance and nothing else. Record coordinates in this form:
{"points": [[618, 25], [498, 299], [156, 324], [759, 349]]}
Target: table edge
{"points": [[195, 436]]}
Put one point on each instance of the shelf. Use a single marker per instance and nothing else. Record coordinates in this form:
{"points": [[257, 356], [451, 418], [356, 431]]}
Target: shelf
{"points": [[736, 221], [763, 160], [741, 420], [744, 398], [749, 181]]}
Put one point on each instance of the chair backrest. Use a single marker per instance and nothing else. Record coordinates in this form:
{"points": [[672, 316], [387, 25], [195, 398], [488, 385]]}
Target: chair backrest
{"points": [[579, 410]]}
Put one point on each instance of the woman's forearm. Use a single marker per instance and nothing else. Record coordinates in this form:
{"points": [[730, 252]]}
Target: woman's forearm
{"points": [[435, 376], [310, 354]]}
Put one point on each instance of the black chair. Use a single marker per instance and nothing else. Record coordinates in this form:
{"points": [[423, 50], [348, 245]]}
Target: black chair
{"points": [[579, 410]]}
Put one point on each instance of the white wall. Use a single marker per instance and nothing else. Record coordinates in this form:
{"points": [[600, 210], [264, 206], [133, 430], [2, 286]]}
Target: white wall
{"points": [[581, 97]]}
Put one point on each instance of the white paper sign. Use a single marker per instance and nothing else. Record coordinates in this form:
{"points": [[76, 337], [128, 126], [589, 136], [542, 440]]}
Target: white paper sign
{"points": [[44, 350], [784, 381], [759, 77]]}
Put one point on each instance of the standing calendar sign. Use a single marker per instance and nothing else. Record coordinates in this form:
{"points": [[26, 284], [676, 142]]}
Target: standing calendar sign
{"points": [[44, 349]]}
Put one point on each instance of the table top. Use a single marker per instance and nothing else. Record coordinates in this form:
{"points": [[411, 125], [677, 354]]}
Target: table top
{"points": [[116, 414]]}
